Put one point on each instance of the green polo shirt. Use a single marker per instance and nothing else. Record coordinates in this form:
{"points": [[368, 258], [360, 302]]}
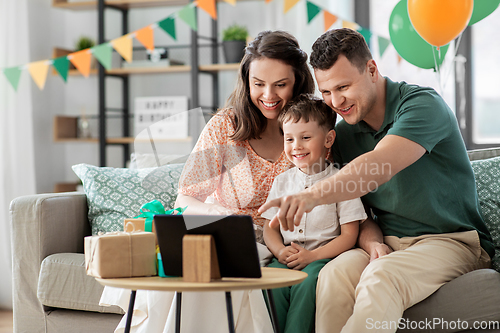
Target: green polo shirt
{"points": [[436, 194]]}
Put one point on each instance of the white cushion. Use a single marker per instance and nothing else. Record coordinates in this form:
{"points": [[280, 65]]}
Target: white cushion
{"points": [[64, 283]]}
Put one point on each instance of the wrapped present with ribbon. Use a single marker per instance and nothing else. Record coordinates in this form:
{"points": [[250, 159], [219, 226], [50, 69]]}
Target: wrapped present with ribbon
{"points": [[144, 221], [120, 254]]}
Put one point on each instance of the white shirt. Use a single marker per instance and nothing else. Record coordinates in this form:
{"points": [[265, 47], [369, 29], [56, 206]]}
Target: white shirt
{"points": [[322, 224]]}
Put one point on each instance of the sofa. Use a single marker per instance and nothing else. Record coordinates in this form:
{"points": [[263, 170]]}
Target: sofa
{"points": [[52, 292]]}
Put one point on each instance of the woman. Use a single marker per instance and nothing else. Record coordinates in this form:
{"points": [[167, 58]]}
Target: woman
{"points": [[240, 151], [233, 165]]}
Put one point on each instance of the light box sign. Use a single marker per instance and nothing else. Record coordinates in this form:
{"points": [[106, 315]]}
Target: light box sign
{"points": [[166, 116]]}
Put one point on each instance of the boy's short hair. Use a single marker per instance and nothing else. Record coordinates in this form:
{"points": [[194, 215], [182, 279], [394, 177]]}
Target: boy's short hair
{"points": [[308, 107]]}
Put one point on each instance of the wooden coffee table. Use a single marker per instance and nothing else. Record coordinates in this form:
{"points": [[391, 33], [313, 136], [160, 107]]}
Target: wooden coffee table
{"points": [[271, 278]]}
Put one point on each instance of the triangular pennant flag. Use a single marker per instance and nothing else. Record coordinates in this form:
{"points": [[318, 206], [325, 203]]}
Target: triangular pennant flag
{"points": [[209, 7], [399, 58], [383, 43], [231, 2], [13, 74], [289, 4], [367, 34], [168, 25], [38, 71], [350, 25], [312, 11], [103, 53], [123, 46], [329, 18], [146, 37], [188, 15], [81, 60], [61, 65]]}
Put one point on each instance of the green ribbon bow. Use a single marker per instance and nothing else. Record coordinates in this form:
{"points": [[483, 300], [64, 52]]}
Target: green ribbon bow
{"points": [[155, 207]]}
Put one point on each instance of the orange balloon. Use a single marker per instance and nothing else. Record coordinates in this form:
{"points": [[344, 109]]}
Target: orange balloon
{"points": [[438, 22]]}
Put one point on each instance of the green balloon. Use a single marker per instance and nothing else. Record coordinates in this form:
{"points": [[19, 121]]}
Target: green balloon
{"points": [[410, 46], [482, 8]]}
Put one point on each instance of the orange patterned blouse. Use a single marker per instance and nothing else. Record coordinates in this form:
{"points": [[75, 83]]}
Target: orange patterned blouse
{"points": [[230, 171]]}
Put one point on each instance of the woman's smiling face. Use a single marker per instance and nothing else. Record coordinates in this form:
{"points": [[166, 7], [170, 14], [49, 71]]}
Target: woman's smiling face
{"points": [[271, 85]]}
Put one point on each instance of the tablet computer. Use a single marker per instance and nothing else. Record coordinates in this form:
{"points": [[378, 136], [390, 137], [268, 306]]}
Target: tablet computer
{"points": [[234, 238]]}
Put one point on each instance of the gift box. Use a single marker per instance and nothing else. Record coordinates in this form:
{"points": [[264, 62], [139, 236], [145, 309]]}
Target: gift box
{"points": [[120, 254], [139, 224], [144, 221]]}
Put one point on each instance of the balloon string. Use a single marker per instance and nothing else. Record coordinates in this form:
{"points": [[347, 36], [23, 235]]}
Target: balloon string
{"points": [[438, 69], [454, 56]]}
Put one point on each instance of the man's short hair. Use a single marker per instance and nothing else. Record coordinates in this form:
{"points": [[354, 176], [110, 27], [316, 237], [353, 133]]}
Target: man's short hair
{"points": [[350, 43], [308, 108]]}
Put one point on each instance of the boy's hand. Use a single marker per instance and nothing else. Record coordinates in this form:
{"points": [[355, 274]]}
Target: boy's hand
{"points": [[284, 253], [301, 259]]}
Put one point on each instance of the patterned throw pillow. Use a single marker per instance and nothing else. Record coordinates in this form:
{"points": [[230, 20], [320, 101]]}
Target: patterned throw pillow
{"points": [[114, 194], [487, 173]]}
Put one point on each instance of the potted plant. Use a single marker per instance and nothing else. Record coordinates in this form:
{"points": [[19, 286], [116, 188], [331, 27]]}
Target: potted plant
{"points": [[234, 39], [83, 43]]}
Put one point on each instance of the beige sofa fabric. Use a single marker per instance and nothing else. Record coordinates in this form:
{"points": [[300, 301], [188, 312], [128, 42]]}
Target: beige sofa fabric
{"points": [[63, 283], [42, 225]]}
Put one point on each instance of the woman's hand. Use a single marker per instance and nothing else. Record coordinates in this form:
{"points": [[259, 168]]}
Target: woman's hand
{"points": [[301, 259]]}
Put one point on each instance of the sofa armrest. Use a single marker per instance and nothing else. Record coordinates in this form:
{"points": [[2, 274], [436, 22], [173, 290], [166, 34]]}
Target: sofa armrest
{"points": [[41, 225]]}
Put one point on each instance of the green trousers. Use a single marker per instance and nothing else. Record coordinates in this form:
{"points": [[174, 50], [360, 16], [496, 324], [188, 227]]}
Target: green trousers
{"points": [[296, 305]]}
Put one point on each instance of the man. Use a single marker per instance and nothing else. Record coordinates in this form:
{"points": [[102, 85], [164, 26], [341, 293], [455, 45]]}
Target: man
{"points": [[403, 154]]}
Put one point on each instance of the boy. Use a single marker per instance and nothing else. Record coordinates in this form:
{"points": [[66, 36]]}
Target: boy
{"points": [[328, 230]]}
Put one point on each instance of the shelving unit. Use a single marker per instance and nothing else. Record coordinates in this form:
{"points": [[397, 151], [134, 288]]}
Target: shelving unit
{"points": [[123, 6], [66, 130]]}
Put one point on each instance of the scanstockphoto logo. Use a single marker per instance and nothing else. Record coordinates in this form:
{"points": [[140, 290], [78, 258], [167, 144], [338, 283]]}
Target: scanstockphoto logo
{"points": [[431, 324], [155, 149], [364, 172]]}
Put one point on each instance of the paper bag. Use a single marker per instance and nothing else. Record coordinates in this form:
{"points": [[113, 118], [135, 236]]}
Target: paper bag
{"points": [[120, 254]]}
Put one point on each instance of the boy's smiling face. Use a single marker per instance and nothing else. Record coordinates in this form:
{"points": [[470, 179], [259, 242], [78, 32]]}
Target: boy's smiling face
{"points": [[307, 144]]}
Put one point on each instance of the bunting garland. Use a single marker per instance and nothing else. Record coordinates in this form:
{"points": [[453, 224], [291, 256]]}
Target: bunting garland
{"points": [[82, 61], [124, 44], [146, 37], [38, 71], [103, 53], [383, 43], [289, 4], [13, 74], [188, 15], [61, 65], [312, 11], [330, 19], [209, 7], [168, 25]]}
